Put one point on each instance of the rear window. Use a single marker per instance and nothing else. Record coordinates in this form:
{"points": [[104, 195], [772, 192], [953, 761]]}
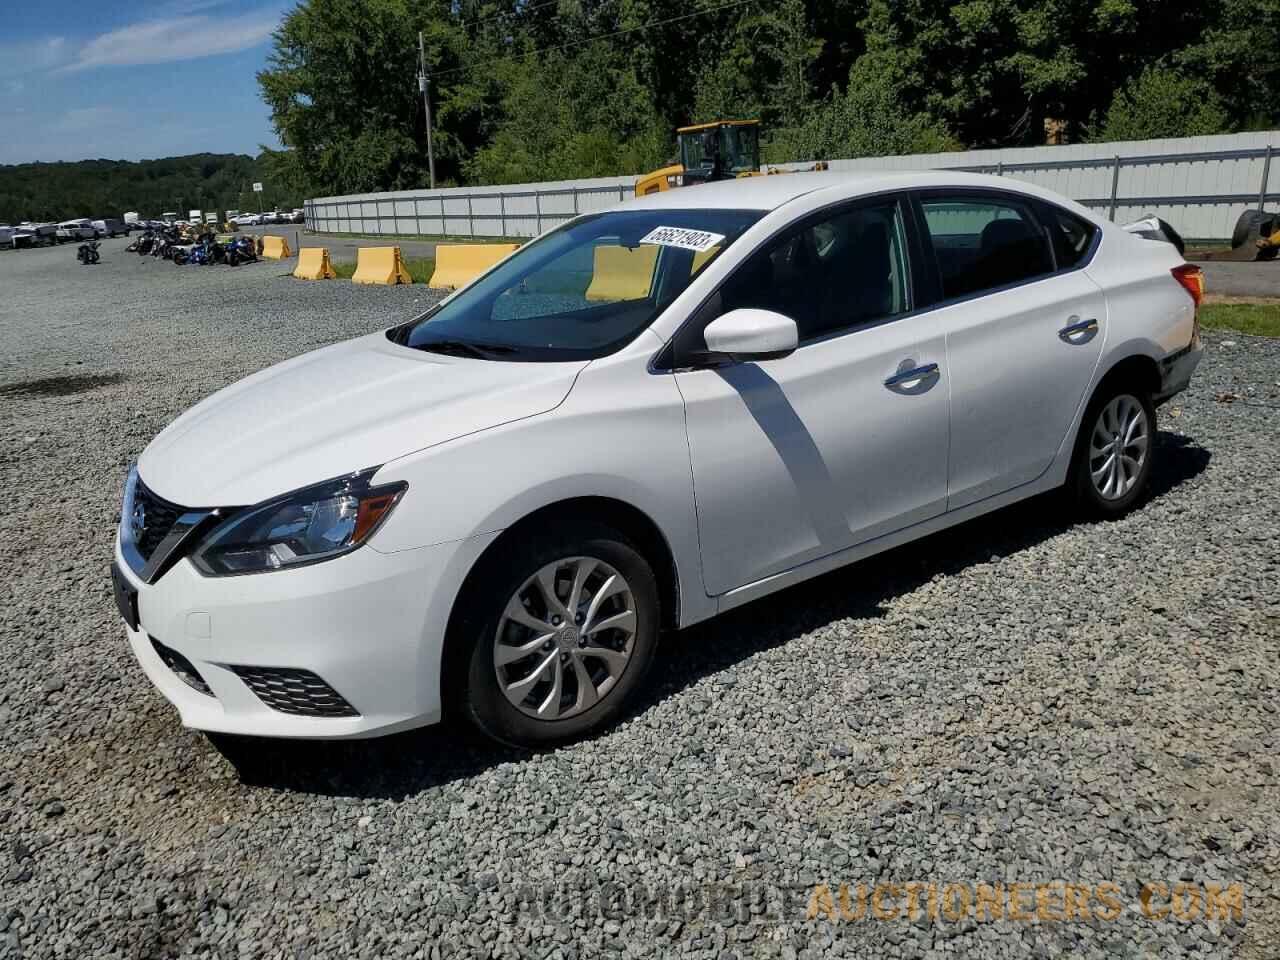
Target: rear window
{"points": [[982, 243], [1071, 236]]}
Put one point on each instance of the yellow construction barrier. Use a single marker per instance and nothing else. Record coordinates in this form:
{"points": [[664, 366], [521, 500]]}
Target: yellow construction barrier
{"points": [[457, 264], [380, 265], [275, 248], [313, 264], [622, 273], [700, 259]]}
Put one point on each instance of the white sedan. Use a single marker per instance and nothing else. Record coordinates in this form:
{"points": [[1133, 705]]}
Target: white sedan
{"points": [[642, 419]]}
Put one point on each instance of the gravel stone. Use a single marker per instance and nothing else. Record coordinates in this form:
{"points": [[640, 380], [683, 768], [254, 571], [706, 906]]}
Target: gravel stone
{"points": [[1018, 700]]}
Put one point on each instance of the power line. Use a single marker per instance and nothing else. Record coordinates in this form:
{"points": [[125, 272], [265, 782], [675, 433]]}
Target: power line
{"points": [[602, 36], [509, 13]]}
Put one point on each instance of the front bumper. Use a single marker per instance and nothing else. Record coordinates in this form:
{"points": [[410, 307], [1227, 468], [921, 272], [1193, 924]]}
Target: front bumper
{"points": [[1176, 370], [371, 625]]}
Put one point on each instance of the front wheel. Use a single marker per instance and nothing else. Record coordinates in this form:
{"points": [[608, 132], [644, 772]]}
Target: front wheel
{"points": [[1111, 467], [556, 637]]}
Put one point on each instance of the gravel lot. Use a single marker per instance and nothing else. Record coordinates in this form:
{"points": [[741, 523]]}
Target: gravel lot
{"points": [[1016, 700]]}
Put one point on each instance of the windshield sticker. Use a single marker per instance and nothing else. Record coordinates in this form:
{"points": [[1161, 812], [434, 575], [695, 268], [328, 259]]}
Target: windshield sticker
{"points": [[699, 241]]}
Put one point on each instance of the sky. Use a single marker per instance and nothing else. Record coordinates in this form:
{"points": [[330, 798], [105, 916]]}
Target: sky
{"points": [[133, 79]]}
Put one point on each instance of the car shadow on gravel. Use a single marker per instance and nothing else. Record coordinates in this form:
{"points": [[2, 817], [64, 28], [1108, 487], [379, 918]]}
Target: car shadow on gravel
{"points": [[404, 764]]}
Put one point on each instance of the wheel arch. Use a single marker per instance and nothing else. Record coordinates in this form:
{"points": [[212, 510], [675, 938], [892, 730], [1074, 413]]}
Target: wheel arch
{"points": [[1138, 369], [630, 521]]}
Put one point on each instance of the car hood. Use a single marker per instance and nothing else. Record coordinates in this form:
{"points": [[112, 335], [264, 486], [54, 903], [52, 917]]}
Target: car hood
{"points": [[334, 411]]}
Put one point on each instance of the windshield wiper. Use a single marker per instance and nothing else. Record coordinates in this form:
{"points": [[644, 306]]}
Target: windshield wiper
{"points": [[464, 348]]}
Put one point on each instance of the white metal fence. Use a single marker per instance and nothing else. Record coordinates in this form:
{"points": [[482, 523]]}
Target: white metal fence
{"points": [[1199, 184]]}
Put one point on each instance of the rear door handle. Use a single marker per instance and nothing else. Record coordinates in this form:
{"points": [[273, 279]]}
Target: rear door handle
{"points": [[905, 379], [1078, 331]]}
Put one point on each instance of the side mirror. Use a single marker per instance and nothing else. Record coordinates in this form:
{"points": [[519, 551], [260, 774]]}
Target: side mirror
{"points": [[749, 334]]}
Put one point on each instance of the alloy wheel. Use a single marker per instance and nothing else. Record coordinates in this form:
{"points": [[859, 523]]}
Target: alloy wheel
{"points": [[1118, 447], [564, 638]]}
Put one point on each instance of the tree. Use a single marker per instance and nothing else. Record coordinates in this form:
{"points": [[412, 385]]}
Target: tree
{"points": [[1162, 103], [566, 118], [867, 119]]}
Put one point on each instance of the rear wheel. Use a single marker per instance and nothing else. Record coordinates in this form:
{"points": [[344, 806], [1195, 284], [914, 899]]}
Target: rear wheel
{"points": [[555, 637], [1111, 467]]}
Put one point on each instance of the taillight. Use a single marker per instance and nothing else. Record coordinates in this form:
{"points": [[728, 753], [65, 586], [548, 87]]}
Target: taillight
{"points": [[1192, 279]]}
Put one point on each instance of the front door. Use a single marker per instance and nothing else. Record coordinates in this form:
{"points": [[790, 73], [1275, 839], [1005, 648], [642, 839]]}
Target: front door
{"points": [[840, 442]]}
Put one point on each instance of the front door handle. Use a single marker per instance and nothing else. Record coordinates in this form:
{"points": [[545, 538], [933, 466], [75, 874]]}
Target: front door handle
{"points": [[1078, 331], [913, 377]]}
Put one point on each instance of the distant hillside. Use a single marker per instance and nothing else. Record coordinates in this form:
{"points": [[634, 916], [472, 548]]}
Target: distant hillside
{"points": [[97, 188]]}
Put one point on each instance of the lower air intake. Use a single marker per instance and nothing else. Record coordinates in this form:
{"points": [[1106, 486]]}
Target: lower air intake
{"points": [[298, 692], [180, 665]]}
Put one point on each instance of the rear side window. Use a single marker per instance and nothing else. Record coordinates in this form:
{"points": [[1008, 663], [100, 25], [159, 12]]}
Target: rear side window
{"points": [[1071, 236], [984, 242]]}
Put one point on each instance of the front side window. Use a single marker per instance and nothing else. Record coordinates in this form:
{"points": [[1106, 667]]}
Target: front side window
{"points": [[829, 275], [982, 243], [583, 290]]}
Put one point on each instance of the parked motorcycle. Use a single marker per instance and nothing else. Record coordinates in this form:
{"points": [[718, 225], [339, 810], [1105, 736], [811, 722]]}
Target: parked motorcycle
{"points": [[88, 252], [241, 250], [142, 245]]}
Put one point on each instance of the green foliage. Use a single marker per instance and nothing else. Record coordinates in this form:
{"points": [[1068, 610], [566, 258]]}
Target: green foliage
{"points": [[591, 117], [519, 96], [1162, 103], [867, 119], [1259, 319], [526, 91], [98, 188]]}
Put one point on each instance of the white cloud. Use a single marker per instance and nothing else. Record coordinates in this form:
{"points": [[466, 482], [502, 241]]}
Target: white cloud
{"points": [[31, 56], [174, 39]]}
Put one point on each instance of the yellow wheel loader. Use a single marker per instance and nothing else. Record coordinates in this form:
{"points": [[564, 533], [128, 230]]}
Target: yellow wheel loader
{"points": [[720, 150]]}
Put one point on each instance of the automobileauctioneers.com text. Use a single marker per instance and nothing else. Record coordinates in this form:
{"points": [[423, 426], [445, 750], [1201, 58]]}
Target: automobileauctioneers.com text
{"points": [[910, 901]]}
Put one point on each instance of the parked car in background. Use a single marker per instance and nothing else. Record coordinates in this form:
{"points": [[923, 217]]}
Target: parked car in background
{"points": [[298, 216], [792, 374], [75, 231], [110, 227], [29, 234]]}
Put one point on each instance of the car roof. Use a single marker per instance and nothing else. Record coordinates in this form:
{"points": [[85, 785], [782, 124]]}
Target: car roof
{"points": [[773, 191]]}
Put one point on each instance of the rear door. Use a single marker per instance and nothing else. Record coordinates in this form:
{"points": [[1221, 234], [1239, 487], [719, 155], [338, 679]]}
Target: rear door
{"points": [[843, 440], [1024, 328]]}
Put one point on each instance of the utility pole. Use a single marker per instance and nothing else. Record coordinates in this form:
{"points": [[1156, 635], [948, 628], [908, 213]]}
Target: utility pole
{"points": [[424, 85]]}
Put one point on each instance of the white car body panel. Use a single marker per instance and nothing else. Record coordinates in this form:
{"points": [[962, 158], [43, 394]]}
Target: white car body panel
{"points": [[1016, 385], [755, 475], [815, 450], [334, 411]]}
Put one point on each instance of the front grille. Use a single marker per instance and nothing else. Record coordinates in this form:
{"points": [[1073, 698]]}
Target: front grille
{"points": [[299, 692], [183, 667], [151, 519]]}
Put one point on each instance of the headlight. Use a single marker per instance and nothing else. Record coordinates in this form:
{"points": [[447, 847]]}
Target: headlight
{"points": [[309, 525]]}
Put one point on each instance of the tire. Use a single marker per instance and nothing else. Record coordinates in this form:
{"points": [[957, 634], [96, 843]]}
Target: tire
{"points": [[1246, 228], [233, 259], [482, 632], [1119, 489]]}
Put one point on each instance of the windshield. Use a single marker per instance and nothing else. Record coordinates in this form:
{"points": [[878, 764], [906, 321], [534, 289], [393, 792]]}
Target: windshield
{"points": [[736, 146], [582, 291]]}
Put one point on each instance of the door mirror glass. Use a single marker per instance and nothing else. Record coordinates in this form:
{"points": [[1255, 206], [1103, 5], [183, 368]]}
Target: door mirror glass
{"points": [[751, 334]]}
